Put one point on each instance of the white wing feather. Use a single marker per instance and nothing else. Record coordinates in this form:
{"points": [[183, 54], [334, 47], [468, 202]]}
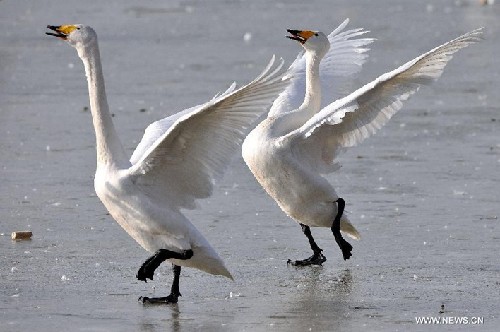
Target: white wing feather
{"points": [[156, 129], [184, 161], [350, 120], [344, 59]]}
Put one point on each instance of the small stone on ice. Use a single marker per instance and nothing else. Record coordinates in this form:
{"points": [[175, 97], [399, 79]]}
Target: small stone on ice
{"points": [[21, 235]]}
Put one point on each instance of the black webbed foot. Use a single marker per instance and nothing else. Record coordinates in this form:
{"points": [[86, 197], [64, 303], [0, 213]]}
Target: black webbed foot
{"points": [[316, 259], [174, 291], [147, 269], [344, 246], [171, 299]]}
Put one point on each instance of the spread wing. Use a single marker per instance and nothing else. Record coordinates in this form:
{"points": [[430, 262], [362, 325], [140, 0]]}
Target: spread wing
{"points": [[350, 120], [345, 58], [155, 130], [182, 163]]}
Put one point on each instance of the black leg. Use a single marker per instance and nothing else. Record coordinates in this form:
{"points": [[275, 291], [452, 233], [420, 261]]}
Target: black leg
{"points": [[174, 292], [148, 268], [317, 258], [343, 244]]}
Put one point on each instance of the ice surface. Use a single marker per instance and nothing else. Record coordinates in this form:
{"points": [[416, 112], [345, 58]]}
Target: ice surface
{"points": [[163, 56]]}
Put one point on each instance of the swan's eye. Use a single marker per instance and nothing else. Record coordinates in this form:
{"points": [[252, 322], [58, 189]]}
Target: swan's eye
{"points": [[316, 34], [78, 28]]}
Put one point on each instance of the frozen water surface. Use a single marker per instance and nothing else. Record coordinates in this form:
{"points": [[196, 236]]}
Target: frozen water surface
{"points": [[424, 192]]}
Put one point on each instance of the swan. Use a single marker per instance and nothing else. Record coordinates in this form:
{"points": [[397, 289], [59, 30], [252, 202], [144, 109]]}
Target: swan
{"points": [[175, 163], [291, 150]]}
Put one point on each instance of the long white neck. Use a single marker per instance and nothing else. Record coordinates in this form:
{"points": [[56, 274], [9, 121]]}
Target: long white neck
{"points": [[110, 151], [312, 99]]}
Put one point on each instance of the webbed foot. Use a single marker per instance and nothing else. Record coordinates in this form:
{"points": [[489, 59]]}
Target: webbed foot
{"points": [[344, 246], [317, 259], [147, 269], [171, 299]]}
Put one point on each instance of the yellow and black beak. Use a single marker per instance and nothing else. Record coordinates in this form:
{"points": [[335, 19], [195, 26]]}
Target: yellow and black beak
{"points": [[300, 35], [61, 31]]}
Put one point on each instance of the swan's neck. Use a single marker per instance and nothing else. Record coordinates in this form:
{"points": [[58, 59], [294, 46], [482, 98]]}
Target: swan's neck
{"points": [[110, 151], [312, 99]]}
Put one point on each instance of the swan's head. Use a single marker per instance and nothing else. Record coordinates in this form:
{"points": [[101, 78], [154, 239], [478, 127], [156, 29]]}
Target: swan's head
{"points": [[313, 41], [76, 35]]}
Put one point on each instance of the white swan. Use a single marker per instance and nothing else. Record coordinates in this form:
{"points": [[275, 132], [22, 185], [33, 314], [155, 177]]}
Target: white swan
{"points": [[175, 163], [290, 150]]}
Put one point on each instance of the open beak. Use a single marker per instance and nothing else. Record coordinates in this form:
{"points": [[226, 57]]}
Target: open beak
{"points": [[60, 31], [300, 35]]}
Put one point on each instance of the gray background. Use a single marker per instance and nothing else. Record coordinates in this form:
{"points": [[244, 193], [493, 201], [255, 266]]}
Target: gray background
{"points": [[423, 192]]}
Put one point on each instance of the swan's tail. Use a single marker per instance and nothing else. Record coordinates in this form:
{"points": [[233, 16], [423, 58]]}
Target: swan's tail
{"points": [[348, 228]]}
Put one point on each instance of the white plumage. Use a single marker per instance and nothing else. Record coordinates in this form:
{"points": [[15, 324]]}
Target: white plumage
{"points": [[290, 150], [176, 162]]}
